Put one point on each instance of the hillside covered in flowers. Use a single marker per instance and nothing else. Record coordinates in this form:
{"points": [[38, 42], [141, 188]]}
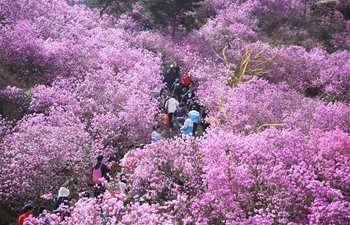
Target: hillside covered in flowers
{"points": [[273, 74]]}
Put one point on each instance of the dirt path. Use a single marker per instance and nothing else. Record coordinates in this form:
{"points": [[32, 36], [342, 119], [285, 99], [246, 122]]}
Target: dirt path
{"points": [[173, 133]]}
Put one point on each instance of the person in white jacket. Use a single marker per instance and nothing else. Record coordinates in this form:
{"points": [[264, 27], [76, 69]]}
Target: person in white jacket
{"points": [[171, 105], [187, 128]]}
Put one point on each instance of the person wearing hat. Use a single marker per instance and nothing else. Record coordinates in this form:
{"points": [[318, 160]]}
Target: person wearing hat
{"points": [[27, 212], [62, 198]]}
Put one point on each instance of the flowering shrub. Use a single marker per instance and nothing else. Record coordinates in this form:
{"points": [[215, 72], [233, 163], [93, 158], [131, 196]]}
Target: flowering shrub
{"points": [[89, 103], [277, 150], [232, 28], [37, 164], [302, 71]]}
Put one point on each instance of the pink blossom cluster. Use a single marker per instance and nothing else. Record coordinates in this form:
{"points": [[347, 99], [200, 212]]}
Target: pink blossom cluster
{"points": [[276, 151], [329, 78], [95, 96]]}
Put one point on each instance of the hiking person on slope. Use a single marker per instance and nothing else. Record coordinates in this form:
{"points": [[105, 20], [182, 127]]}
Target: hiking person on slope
{"points": [[98, 171]]}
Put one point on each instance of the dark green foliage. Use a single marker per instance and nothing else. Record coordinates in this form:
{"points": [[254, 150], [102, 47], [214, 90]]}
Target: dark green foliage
{"points": [[116, 7], [173, 12]]}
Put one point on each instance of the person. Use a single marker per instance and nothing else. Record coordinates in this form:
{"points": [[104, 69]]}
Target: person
{"points": [[189, 96], [86, 194], [60, 204], [41, 217], [163, 98], [145, 199], [170, 77], [138, 189], [62, 198], [80, 206], [147, 26], [167, 80], [157, 133], [177, 70], [179, 113], [187, 128], [171, 105], [162, 74], [117, 189], [176, 89], [112, 192], [129, 162], [204, 122], [186, 80], [99, 188], [195, 117], [163, 70], [121, 185], [27, 212]]}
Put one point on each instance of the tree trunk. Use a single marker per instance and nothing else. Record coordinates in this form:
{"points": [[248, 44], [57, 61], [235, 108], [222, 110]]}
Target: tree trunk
{"points": [[105, 7]]}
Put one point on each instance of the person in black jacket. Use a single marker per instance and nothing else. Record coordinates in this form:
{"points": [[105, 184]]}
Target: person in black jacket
{"points": [[177, 70], [189, 97], [99, 188], [176, 89], [170, 77], [205, 122]]}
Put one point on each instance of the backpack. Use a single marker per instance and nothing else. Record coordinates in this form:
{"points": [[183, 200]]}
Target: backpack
{"points": [[96, 175], [178, 86]]}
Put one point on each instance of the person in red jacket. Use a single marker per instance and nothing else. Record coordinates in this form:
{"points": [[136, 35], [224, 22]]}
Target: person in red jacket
{"points": [[186, 80], [27, 211]]}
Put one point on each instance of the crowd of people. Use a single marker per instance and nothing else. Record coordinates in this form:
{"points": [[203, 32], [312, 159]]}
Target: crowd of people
{"points": [[115, 183], [179, 103], [107, 184]]}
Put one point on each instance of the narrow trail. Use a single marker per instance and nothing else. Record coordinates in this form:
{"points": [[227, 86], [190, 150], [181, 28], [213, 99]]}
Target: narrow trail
{"points": [[173, 133]]}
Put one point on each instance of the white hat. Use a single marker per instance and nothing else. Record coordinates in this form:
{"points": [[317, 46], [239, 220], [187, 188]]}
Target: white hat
{"points": [[171, 65], [63, 192]]}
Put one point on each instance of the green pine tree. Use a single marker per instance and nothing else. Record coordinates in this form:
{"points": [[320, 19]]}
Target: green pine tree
{"points": [[115, 7], [173, 12]]}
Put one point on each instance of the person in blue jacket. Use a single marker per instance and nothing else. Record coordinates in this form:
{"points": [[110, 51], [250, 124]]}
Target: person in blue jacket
{"points": [[195, 117], [147, 26], [157, 133]]}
